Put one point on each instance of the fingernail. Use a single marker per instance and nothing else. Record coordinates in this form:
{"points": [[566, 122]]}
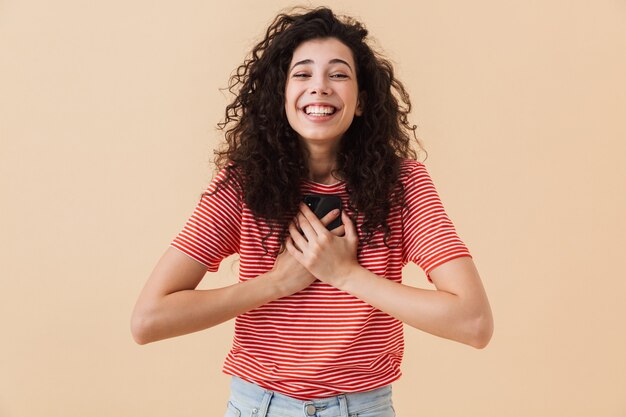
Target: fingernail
{"points": [[335, 211]]}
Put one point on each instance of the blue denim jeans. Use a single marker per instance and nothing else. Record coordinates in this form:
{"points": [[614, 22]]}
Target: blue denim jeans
{"points": [[250, 400]]}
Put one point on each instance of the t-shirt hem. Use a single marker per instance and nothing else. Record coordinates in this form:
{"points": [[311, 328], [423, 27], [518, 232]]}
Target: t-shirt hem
{"points": [[384, 382], [443, 261], [194, 257]]}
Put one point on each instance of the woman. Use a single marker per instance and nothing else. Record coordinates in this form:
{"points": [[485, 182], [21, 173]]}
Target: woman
{"points": [[318, 312]]}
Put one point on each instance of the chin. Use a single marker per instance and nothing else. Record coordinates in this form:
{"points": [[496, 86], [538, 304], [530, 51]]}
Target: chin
{"points": [[320, 136]]}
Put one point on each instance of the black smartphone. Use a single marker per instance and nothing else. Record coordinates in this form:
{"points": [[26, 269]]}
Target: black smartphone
{"points": [[322, 204]]}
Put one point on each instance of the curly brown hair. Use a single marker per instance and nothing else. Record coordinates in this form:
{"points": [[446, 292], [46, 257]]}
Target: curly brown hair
{"points": [[262, 155]]}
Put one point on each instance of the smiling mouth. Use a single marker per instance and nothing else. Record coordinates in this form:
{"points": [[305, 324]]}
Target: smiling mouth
{"points": [[317, 110]]}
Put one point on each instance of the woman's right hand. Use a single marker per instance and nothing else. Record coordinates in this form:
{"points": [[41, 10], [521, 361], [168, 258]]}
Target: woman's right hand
{"points": [[291, 276]]}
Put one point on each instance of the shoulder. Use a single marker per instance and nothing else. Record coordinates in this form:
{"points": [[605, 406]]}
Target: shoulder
{"points": [[411, 171], [229, 178], [226, 187], [408, 165]]}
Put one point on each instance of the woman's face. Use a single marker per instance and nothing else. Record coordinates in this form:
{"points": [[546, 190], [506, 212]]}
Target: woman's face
{"points": [[321, 92]]}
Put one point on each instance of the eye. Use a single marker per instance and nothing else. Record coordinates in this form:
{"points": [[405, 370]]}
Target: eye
{"points": [[339, 76], [300, 75]]}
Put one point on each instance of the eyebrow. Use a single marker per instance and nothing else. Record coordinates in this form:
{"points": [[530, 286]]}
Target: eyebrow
{"points": [[310, 61]]}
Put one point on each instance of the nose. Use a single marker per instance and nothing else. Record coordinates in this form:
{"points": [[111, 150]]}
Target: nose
{"points": [[320, 86], [322, 91]]}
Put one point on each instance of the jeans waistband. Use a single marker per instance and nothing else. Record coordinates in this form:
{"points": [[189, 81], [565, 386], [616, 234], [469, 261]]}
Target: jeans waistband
{"points": [[255, 397]]}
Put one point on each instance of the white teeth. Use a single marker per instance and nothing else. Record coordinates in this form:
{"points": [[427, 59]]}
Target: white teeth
{"points": [[319, 110]]}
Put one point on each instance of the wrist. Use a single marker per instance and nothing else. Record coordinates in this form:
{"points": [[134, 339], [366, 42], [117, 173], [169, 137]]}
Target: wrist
{"points": [[278, 285], [348, 278]]}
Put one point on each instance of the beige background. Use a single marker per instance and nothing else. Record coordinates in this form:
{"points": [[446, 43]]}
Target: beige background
{"points": [[107, 125]]}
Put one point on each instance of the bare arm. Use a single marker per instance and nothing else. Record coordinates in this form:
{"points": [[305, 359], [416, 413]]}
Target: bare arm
{"points": [[458, 309], [169, 304]]}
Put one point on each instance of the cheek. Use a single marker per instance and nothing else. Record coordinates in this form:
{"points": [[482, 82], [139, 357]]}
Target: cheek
{"points": [[290, 99], [290, 106], [290, 111], [350, 95]]}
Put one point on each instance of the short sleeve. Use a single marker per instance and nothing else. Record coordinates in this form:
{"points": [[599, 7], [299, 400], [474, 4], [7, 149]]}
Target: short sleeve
{"points": [[213, 230], [429, 236]]}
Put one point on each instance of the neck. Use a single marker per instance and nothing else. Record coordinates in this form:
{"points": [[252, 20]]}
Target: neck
{"points": [[321, 162]]}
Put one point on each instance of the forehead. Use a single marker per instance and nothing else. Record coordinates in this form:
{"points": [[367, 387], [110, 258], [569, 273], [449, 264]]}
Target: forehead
{"points": [[321, 51]]}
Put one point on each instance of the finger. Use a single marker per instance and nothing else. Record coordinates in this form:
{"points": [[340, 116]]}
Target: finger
{"points": [[339, 230], [349, 226], [298, 240], [288, 238], [315, 223], [306, 226], [282, 249], [328, 218], [295, 224], [292, 250]]}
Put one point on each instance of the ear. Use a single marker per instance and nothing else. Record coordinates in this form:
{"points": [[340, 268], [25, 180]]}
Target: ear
{"points": [[360, 104]]}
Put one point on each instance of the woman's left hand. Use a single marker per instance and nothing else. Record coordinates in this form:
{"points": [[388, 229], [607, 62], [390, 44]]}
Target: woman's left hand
{"points": [[328, 257]]}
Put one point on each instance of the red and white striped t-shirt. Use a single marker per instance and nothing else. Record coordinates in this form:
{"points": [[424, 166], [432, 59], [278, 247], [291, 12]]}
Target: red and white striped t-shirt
{"points": [[321, 341]]}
